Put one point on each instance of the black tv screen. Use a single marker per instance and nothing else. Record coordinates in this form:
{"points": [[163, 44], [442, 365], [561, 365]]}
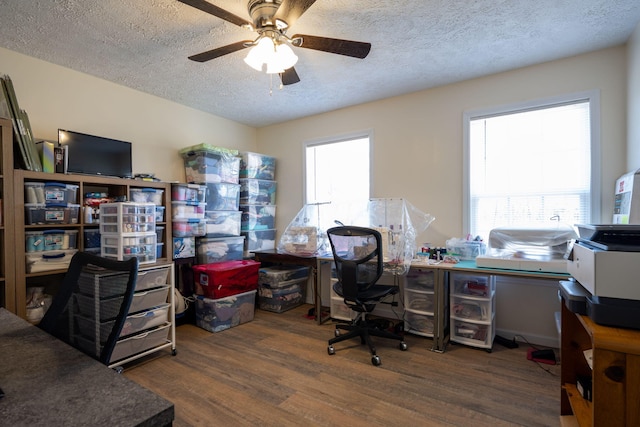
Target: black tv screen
{"points": [[95, 155]]}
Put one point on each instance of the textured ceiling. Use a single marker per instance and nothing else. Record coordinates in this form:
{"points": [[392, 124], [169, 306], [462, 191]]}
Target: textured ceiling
{"points": [[416, 44]]}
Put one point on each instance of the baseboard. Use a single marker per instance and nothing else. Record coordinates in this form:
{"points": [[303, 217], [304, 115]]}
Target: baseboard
{"points": [[542, 341]]}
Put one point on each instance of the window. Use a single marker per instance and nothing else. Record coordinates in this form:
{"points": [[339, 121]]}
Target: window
{"points": [[338, 170], [528, 164]]}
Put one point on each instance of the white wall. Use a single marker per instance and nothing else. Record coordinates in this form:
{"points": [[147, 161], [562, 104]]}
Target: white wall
{"points": [[633, 101], [418, 137], [57, 97]]}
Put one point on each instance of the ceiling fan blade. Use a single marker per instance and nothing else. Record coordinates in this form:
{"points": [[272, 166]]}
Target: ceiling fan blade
{"points": [[289, 76], [341, 47], [218, 52], [216, 11], [290, 10]]}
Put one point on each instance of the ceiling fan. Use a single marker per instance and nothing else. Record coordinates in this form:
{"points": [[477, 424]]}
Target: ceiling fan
{"points": [[271, 20]]}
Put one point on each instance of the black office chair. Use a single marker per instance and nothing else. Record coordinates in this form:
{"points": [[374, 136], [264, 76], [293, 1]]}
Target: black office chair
{"points": [[91, 306], [357, 252]]}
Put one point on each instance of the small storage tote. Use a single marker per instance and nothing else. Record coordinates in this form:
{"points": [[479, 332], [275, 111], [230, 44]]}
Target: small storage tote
{"points": [[146, 195], [193, 193], [259, 166], [223, 196], [285, 296], [257, 192], [259, 240], [123, 247], [65, 213], [258, 217], [276, 275], [205, 164], [187, 210], [216, 249], [222, 279], [127, 217], [215, 315], [50, 240], [184, 247], [223, 223], [37, 262], [57, 192], [189, 227]]}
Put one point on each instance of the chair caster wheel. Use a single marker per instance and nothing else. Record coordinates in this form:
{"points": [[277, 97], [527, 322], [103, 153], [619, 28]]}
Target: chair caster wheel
{"points": [[331, 350], [118, 369], [336, 332], [402, 346], [375, 360]]}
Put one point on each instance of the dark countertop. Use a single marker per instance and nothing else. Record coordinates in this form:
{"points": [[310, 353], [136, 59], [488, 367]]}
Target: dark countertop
{"points": [[47, 383]]}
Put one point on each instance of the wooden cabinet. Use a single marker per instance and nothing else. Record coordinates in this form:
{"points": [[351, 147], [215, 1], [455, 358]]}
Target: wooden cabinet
{"points": [[614, 372], [7, 254], [85, 184]]}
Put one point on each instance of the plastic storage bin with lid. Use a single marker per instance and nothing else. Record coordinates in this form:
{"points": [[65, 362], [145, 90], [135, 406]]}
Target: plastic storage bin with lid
{"points": [[223, 196], [216, 315], [187, 210], [258, 217], [259, 166], [50, 240], [258, 240], [64, 213], [257, 192], [216, 249], [206, 163], [285, 296], [193, 193], [222, 279], [223, 223], [189, 227], [37, 262], [146, 195]]}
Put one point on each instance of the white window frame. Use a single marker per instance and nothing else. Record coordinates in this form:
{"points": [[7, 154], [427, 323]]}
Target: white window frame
{"points": [[332, 140], [592, 96]]}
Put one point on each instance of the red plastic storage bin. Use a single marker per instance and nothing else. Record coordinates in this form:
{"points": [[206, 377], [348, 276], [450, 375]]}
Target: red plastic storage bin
{"points": [[223, 279]]}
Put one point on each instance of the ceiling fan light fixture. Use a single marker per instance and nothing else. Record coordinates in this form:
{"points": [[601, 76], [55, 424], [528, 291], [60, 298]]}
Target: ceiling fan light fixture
{"points": [[276, 56]]}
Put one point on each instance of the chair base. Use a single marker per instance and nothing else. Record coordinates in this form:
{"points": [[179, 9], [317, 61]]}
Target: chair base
{"points": [[361, 328]]}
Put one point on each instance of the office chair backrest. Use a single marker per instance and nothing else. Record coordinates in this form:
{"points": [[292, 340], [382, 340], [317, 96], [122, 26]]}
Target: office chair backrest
{"points": [[62, 317], [357, 252]]}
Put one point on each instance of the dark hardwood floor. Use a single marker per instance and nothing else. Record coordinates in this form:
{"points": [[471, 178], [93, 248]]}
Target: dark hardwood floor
{"points": [[275, 371]]}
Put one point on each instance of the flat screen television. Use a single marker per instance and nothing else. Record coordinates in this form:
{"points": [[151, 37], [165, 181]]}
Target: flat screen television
{"points": [[95, 155]]}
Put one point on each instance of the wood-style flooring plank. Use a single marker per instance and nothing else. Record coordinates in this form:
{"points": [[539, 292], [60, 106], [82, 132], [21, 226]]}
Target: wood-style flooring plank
{"points": [[275, 371]]}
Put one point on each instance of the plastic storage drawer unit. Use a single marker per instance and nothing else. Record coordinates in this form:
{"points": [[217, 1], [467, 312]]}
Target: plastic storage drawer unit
{"points": [[125, 217], [123, 247], [216, 249], [254, 165], [215, 315]]}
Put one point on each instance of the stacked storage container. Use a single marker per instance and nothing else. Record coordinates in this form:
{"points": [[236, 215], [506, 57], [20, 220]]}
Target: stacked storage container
{"points": [[52, 204], [128, 230], [225, 284], [282, 287], [188, 202], [258, 201]]}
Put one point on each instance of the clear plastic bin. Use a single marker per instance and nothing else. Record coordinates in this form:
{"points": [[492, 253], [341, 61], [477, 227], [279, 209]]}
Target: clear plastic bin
{"points": [[280, 275], [204, 167], [189, 227], [223, 223], [37, 262], [259, 240], [285, 296], [215, 315], [257, 192], [194, 193], [259, 166], [216, 249], [51, 214], [57, 192], [258, 217], [187, 210], [146, 195], [223, 196], [34, 193], [50, 240], [91, 238]]}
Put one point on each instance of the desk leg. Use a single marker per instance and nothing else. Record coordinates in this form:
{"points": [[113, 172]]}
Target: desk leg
{"points": [[317, 289]]}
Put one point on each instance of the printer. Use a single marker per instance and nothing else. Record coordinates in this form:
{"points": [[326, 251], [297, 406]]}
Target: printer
{"points": [[605, 261]]}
